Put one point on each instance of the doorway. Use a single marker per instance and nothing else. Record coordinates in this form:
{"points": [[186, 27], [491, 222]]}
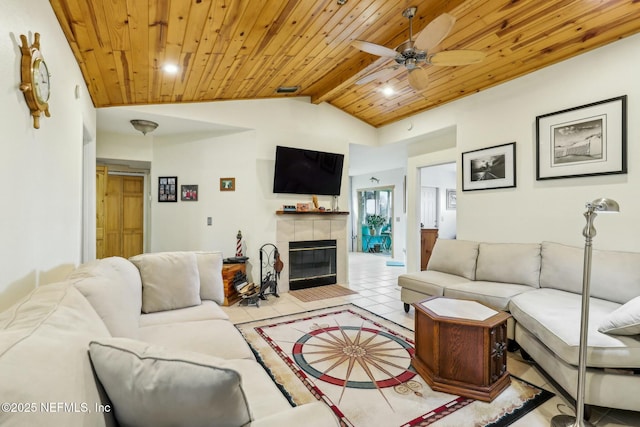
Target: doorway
{"points": [[119, 213], [438, 199], [375, 220]]}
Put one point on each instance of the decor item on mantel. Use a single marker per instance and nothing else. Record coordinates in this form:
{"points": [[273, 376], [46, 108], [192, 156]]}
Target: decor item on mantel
{"points": [[375, 223], [589, 232]]}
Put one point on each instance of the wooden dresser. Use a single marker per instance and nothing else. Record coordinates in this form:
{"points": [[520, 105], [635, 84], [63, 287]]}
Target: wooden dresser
{"points": [[428, 237], [228, 272]]}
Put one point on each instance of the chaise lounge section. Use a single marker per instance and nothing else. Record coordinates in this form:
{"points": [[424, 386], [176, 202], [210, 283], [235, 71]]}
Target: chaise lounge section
{"points": [[137, 342], [541, 285]]}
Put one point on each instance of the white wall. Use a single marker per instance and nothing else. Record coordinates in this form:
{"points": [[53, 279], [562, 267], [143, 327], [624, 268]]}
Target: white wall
{"points": [[248, 156], [41, 169], [538, 210]]}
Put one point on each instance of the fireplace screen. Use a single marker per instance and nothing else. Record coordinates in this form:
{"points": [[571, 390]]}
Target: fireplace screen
{"points": [[312, 263]]}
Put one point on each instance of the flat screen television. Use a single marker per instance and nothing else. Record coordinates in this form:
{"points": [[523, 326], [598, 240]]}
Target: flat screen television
{"points": [[300, 171]]}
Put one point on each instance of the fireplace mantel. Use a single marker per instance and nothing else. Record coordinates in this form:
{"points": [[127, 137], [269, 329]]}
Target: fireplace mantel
{"points": [[312, 225], [312, 213]]}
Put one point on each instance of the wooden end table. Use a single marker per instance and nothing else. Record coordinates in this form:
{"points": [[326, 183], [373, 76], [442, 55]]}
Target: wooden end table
{"points": [[228, 272], [461, 347]]}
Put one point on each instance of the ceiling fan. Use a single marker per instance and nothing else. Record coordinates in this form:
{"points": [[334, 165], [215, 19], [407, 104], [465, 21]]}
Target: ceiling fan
{"points": [[414, 54]]}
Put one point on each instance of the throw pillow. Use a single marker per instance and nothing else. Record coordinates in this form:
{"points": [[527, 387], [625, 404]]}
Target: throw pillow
{"points": [[623, 321], [152, 386], [170, 280], [210, 269]]}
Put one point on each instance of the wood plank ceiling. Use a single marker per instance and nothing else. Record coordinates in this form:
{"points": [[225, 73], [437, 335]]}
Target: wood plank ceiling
{"points": [[245, 49]]}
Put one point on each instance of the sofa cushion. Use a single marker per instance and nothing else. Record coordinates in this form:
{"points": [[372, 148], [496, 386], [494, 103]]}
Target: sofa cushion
{"points": [[623, 321], [615, 276], [170, 280], [113, 287], [457, 257], [153, 386], [429, 282], [262, 393], [210, 271], [208, 310], [44, 360], [213, 337], [553, 317], [509, 263], [493, 294]]}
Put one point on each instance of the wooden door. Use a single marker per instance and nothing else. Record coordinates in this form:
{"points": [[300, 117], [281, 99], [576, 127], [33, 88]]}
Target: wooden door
{"points": [[132, 215], [123, 216], [101, 189]]}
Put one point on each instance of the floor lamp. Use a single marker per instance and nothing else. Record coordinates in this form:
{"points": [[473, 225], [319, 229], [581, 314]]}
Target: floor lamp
{"points": [[589, 232]]}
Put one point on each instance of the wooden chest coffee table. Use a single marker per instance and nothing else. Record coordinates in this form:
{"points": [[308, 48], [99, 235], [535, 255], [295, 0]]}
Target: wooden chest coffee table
{"points": [[461, 347]]}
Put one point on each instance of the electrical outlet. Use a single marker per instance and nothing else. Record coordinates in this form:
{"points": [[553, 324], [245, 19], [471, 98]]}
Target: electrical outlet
{"points": [[209, 220]]}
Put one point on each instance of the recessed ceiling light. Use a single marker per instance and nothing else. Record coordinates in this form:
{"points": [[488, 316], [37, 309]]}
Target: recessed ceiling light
{"points": [[170, 68], [388, 91]]}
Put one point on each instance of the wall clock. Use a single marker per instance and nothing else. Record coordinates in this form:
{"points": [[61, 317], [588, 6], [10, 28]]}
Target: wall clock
{"points": [[35, 79]]}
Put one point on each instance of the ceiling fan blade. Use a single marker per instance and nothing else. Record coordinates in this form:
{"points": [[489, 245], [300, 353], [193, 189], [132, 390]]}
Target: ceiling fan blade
{"points": [[375, 49], [380, 74], [456, 57], [418, 78], [435, 32]]}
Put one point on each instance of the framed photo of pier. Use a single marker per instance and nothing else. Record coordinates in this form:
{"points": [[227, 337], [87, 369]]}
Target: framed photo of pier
{"points": [[583, 141]]}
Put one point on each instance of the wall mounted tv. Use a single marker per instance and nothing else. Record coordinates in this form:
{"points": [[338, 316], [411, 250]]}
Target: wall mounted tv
{"points": [[300, 171]]}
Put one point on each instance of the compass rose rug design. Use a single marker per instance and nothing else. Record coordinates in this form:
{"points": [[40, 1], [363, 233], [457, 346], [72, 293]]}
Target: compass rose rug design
{"points": [[359, 364]]}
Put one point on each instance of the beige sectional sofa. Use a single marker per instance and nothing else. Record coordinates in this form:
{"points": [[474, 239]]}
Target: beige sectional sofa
{"points": [[541, 285], [137, 342]]}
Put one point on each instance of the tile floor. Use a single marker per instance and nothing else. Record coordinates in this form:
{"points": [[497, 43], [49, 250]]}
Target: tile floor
{"points": [[378, 292]]}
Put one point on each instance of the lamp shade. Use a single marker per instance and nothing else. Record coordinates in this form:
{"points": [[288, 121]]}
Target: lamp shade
{"points": [[605, 205]]}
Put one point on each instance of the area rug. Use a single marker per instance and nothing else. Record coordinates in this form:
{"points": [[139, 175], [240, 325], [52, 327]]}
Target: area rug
{"points": [[359, 364], [395, 263], [321, 292]]}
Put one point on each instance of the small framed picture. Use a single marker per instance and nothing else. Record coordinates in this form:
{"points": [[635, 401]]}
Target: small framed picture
{"points": [[489, 168], [167, 188], [189, 193], [227, 184], [451, 199], [583, 141]]}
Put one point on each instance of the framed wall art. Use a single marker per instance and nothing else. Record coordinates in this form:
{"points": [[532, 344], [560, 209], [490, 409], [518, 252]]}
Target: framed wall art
{"points": [[189, 193], [489, 168], [227, 184], [167, 188], [451, 199], [583, 141]]}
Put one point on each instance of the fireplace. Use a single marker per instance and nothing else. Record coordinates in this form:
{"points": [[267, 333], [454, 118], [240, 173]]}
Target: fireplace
{"points": [[312, 263]]}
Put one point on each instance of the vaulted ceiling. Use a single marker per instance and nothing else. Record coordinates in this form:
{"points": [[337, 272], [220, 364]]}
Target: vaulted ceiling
{"points": [[246, 49]]}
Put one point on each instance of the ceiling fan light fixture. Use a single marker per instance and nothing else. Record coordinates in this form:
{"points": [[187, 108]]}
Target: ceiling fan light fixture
{"points": [[144, 126], [287, 89], [341, 2]]}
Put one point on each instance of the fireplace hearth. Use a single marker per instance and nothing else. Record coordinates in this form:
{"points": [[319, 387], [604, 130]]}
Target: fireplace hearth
{"points": [[312, 263]]}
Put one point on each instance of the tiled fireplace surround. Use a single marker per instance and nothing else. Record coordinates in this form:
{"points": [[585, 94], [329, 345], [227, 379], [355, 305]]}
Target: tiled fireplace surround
{"points": [[296, 227]]}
